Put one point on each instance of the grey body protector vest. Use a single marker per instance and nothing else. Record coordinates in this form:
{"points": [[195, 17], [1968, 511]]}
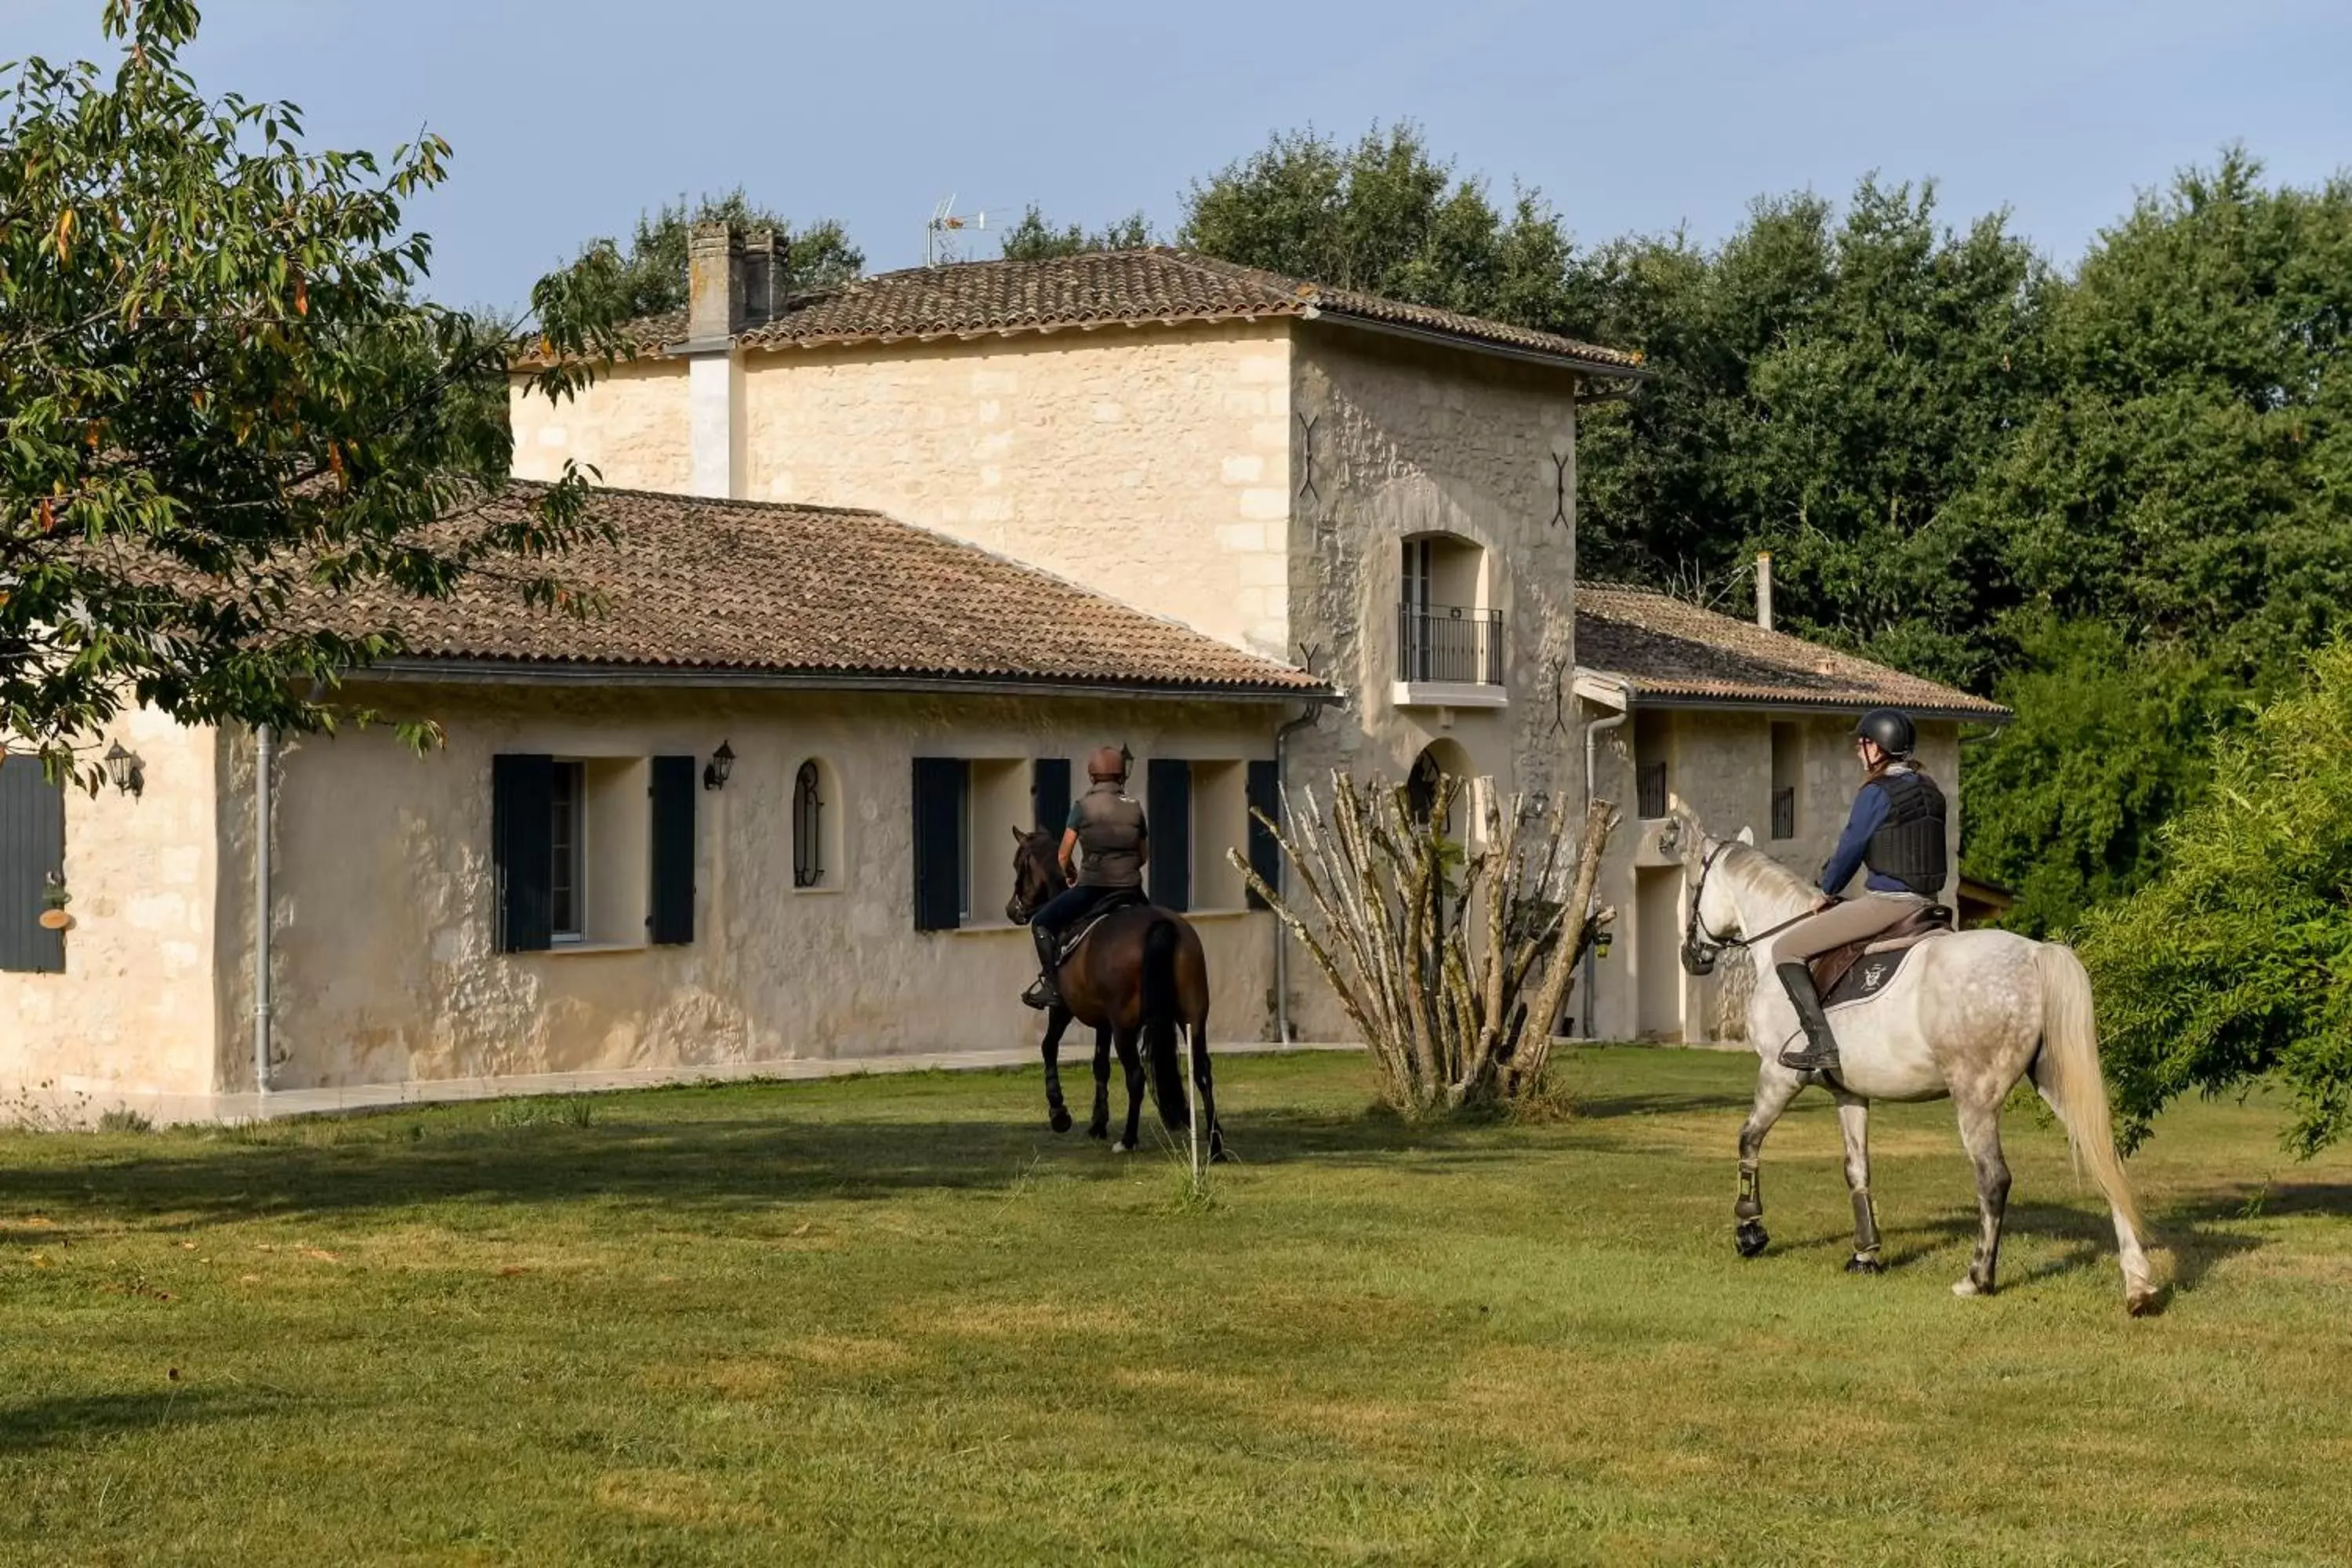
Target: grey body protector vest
{"points": [[1909, 846], [1110, 832]]}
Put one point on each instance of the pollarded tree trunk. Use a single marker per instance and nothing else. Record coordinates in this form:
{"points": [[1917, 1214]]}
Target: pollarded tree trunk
{"points": [[1453, 963]]}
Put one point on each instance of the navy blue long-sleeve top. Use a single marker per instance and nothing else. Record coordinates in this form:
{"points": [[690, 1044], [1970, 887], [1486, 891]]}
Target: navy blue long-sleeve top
{"points": [[1869, 814]]}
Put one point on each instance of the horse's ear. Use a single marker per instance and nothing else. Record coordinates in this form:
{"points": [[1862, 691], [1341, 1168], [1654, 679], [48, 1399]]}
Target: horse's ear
{"points": [[1019, 837], [1748, 836]]}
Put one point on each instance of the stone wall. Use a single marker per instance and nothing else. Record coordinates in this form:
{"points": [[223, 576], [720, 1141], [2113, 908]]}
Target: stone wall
{"points": [[132, 1018], [1150, 464], [1398, 440], [383, 961], [632, 425]]}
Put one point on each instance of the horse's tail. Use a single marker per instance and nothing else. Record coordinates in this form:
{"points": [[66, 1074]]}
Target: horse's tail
{"points": [[2067, 1073], [1160, 1007]]}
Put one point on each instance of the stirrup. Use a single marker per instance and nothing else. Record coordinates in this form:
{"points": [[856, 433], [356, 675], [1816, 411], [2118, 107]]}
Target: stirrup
{"points": [[1808, 1057], [1042, 995]]}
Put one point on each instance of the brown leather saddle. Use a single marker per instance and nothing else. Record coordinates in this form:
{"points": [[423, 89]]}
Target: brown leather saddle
{"points": [[1125, 899], [1861, 970]]}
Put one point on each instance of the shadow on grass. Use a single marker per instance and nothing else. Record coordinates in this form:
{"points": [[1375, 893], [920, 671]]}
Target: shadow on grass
{"points": [[2195, 1244], [30, 1424], [735, 1165]]}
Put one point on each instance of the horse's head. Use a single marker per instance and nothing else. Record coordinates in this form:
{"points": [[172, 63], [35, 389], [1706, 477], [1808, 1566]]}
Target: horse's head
{"points": [[1036, 873], [1714, 910]]}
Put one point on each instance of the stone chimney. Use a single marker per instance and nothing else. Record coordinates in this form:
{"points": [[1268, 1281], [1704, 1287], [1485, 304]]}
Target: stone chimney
{"points": [[714, 284], [764, 257]]}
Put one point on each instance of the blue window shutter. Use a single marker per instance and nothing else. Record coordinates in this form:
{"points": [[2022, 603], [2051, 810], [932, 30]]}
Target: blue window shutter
{"points": [[1265, 789], [670, 921], [1049, 781], [939, 843], [32, 850], [522, 860], [1167, 813]]}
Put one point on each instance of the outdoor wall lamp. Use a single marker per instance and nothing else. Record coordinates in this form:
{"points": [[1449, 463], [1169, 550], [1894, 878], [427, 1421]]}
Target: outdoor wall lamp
{"points": [[1601, 943], [128, 773], [721, 763]]}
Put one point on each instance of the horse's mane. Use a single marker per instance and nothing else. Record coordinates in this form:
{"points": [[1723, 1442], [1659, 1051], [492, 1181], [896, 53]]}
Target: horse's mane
{"points": [[1760, 868]]}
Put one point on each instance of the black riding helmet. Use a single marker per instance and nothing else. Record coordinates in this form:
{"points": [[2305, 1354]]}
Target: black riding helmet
{"points": [[1891, 729]]}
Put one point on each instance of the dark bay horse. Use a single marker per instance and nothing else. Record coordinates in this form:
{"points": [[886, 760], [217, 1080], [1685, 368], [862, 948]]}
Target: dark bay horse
{"points": [[1137, 977]]}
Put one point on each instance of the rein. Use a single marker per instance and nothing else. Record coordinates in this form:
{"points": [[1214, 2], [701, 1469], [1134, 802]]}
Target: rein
{"points": [[1704, 947]]}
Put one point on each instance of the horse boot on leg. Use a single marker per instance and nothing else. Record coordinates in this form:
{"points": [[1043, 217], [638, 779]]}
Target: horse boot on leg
{"points": [[1819, 1053], [1047, 993]]}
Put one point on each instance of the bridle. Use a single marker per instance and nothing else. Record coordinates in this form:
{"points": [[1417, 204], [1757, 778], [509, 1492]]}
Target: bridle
{"points": [[1702, 945]]}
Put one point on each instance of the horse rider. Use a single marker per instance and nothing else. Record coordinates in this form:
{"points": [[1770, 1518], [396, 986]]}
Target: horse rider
{"points": [[1108, 827], [1896, 830]]}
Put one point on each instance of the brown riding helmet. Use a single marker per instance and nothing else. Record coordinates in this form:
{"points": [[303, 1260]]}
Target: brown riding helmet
{"points": [[1107, 762]]}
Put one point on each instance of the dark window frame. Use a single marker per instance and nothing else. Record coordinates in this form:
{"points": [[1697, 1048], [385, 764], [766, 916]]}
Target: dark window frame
{"points": [[808, 825]]}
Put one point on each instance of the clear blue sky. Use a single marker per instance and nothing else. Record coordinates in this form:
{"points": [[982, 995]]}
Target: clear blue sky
{"points": [[568, 119]]}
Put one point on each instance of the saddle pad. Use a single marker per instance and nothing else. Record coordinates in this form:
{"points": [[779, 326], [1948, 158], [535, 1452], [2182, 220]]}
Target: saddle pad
{"points": [[1861, 970]]}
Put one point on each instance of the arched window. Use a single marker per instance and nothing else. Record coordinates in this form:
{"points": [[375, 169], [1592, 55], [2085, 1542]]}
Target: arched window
{"points": [[808, 828]]}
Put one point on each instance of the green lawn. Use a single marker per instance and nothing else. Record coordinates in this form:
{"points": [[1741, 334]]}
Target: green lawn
{"points": [[894, 1320]]}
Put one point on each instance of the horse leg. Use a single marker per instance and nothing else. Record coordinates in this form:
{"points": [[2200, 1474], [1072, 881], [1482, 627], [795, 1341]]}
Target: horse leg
{"points": [[1057, 1114], [1981, 1134], [1853, 1120], [1100, 1126], [1776, 1086], [1130, 1058], [1198, 1032]]}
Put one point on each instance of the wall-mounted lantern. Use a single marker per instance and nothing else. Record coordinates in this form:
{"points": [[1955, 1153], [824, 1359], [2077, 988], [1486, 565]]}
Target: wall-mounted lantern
{"points": [[128, 773], [721, 763]]}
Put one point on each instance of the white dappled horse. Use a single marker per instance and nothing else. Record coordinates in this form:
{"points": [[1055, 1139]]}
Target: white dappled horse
{"points": [[1967, 1014]]}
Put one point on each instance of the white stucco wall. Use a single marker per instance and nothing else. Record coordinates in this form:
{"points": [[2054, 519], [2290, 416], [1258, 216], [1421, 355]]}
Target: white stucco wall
{"points": [[131, 1018], [385, 966]]}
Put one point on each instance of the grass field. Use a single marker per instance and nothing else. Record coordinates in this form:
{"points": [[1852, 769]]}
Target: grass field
{"points": [[894, 1320]]}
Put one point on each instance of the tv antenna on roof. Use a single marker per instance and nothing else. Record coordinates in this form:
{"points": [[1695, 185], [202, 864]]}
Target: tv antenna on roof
{"points": [[943, 235]]}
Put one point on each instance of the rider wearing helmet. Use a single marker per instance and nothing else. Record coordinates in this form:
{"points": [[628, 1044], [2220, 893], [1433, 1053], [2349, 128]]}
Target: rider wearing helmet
{"points": [[1109, 829], [1897, 831]]}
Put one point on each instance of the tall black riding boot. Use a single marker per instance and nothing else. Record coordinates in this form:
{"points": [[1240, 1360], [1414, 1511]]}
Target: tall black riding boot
{"points": [[1819, 1053], [1046, 994]]}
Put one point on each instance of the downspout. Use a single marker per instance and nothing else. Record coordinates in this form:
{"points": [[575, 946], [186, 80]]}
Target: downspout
{"points": [[1281, 881], [262, 738], [1591, 762]]}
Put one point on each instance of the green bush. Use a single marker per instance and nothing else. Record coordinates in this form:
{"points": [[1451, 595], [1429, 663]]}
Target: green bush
{"points": [[2235, 962]]}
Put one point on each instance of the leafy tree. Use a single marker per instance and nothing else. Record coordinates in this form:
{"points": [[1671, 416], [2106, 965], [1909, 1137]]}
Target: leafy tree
{"points": [[1385, 217], [219, 397], [2236, 959], [1035, 239], [2066, 804], [651, 273]]}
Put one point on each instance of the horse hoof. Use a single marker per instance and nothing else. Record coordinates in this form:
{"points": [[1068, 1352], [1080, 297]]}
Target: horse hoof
{"points": [[1122, 1147], [1751, 1239], [1097, 1131], [1966, 1288], [2140, 1304], [1060, 1120], [1858, 1264]]}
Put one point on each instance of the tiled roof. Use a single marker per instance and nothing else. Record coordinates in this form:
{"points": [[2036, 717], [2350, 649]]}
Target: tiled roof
{"points": [[1669, 648], [1107, 288], [691, 583]]}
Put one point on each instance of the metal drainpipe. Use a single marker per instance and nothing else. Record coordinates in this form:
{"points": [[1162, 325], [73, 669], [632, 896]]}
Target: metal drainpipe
{"points": [[261, 760], [1592, 759], [1282, 932]]}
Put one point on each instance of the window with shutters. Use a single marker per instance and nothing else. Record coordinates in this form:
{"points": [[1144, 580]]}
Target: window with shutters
{"points": [[1221, 822], [969, 812], [32, 864], [590, 853], [1265, 788], [1653, 748], [1167, 817]]}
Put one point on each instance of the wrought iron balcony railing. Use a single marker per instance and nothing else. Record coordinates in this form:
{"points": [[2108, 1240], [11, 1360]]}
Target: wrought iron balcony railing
{"points": [[1442, 643]]}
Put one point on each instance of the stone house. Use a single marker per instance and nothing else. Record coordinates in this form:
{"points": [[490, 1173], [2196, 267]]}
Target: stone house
{"points": [[1746, 727], [888, 557]]}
